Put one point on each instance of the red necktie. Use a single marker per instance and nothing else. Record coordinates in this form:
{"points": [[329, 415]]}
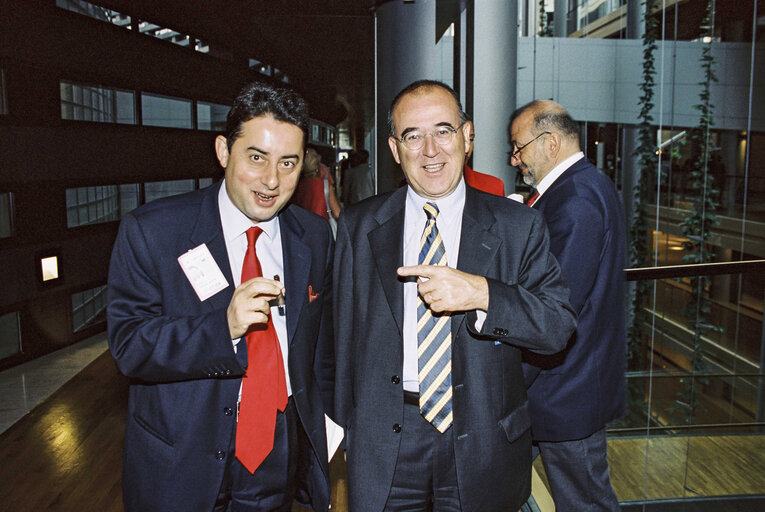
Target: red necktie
{"points": [[264, 387], [532, 198]]}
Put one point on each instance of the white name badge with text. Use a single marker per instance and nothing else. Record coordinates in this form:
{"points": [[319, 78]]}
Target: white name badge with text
{"points": [[202, 272]]}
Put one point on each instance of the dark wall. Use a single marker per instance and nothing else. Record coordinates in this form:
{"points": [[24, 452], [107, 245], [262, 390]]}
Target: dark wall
{"points": [[42, 155]]}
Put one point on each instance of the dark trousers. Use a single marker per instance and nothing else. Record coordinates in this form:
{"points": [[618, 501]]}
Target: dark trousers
{"points": [[578, 474], [272, 487], [425, 478]]}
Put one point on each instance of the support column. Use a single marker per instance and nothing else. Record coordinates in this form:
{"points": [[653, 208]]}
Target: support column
{"points": [[560, 18], [405, 51], [630, 168], [495, 63]]}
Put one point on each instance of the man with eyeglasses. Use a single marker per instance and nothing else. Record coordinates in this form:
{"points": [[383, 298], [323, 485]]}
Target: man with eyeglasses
{"points": [[438, 287], [575, 393]]}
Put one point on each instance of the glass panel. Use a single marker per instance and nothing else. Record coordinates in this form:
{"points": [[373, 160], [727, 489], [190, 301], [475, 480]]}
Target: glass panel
{"points": [[211, 116], [156, 189], [88, 308], [6, 214], [96, 103], [95, 11], [91, 205], [129, 196], [165, 111], [10, 335]]}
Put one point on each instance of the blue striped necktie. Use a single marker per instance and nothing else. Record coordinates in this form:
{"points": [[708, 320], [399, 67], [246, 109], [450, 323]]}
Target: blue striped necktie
{"points": [[434, 337]]}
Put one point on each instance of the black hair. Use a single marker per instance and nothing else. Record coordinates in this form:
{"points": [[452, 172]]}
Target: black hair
{"points": [[258, 99]]}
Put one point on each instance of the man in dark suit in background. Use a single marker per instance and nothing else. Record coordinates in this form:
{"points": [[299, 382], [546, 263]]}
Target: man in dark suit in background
{"points": [[193, 343], [429, 323], [578, 391]]}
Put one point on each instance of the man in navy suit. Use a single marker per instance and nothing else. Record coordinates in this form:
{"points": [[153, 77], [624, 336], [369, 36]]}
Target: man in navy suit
{"points": [[579, 390], [437, 286], [181, 326]]}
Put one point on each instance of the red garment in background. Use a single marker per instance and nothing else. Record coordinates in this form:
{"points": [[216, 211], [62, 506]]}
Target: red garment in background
{"points": [[309, 194], [484, 182]]}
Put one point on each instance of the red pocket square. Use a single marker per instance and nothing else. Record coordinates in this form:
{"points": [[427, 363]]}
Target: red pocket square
{"points": [[311, 295]]}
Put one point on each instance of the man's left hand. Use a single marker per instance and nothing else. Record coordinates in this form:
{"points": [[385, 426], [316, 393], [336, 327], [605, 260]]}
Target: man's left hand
{"points": [[445, 289]]}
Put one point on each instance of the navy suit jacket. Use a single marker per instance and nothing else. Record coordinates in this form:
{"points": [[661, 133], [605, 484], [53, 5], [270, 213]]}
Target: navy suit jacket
{"points": [[178, 353], [528, 307], [582, 388]]}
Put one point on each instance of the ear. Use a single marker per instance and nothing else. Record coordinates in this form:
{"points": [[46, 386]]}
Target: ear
{"points": [[467, 129], [221, 150], [393, 144], [554, 144]]}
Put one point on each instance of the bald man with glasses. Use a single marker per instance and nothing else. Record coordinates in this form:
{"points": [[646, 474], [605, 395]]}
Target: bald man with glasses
{"points": [[438, 288], [575, 393]]}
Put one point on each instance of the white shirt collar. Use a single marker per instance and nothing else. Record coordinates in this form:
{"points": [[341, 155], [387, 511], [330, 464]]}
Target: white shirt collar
{"points": [[235, 223], [559, 169], [450, 207]]}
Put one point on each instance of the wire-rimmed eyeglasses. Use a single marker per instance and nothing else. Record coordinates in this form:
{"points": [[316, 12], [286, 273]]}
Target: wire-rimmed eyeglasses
{"points": [[442, 135], [518, 148]]}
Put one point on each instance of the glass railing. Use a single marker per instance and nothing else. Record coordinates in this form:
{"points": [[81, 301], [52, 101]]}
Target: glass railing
{"points": [[696, 388]]}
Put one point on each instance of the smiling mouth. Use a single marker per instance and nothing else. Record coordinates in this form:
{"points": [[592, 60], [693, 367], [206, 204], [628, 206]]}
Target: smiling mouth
{"points": [[433, 167], [264, 197]]}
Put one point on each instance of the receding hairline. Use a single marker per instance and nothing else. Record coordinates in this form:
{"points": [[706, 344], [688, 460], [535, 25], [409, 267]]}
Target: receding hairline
{"points": [[424, 87]]}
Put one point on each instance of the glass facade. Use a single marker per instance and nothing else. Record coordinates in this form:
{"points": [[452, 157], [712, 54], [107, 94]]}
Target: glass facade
{"points": [[95, 11], [10, 337], [696, 364], [156, 189], [6, 214], [94, 205], [166, 111], [88, 308], [96, 103], [211, 116]]}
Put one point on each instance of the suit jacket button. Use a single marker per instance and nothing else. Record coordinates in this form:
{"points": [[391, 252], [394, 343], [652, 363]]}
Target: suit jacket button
{"points": [[228, 411], [497, 331], [395, 379], [220, 455], [228, 372], [396, 428]]}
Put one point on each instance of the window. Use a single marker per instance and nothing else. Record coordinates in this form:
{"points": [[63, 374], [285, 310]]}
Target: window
{"points": [[205, 182], [88, 308], [211, 116], [95, 11], [94, 205], [6, 214], [156, 189], [96, 103], [10, 334], [166, 111]]}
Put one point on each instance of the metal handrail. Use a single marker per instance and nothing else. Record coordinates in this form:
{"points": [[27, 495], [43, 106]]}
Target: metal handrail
{"points": [[699, 269]]}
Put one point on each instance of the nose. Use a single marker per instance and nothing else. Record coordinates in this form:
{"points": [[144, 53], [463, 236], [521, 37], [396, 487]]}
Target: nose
{"points": [[515, 158], [431, 147], [270, 176]]}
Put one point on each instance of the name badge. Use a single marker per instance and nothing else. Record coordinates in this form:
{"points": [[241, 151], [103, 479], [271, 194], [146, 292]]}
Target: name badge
{"points": [[202, 272]]}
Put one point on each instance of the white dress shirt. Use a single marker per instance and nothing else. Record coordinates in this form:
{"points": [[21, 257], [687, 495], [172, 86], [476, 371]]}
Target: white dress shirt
{"points": [[449, 224], [559, 169], [269, 251]]}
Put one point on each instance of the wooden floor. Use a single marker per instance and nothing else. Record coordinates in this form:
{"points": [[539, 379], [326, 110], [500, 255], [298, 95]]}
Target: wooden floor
{"points": [[66, 455]]}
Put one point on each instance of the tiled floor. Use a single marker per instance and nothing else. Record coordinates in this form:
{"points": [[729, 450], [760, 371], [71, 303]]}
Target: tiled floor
{"points": [[23, 387]]}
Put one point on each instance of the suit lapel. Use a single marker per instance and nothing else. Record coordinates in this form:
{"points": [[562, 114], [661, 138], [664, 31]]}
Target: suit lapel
{"points": [[478, 246], [296, 256], [387, 244], [208, 231]]}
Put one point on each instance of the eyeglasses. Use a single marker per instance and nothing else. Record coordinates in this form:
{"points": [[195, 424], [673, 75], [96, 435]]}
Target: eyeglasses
{"points": [[518, 148], [415, 140]]}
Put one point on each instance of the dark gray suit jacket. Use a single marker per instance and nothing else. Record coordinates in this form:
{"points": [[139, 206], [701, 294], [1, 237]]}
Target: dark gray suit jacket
{"points": [[508, 244]]}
